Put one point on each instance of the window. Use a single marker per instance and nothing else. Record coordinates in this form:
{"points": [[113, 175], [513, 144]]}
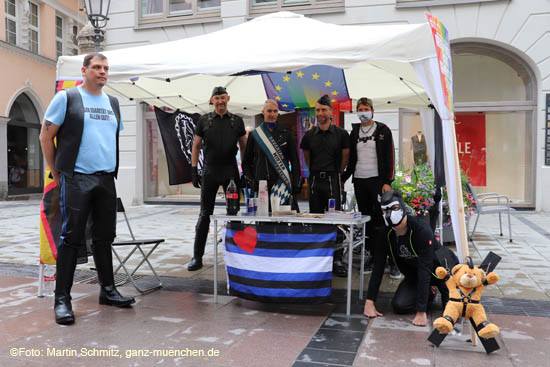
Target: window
{"points": [[175, 12], [58, 36], [75, 40], [33, 27], [419, 3], [304, 6], [11, 21], [496, 104]]}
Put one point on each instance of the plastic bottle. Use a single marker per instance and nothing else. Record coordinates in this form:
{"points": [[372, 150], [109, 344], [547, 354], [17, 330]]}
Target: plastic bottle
{"points": [[263, 198], [49, 279], [232, 198]]}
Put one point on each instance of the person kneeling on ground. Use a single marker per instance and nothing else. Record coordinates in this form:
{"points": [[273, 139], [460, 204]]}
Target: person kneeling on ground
{"points": [[412, 246]]}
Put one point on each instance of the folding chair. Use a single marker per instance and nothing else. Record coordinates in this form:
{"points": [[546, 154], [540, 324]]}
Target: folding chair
{"points": [[490, 203], [137, 247]]}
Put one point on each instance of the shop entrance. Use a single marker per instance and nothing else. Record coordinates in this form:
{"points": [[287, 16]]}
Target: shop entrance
{"points": [[24, 156]]}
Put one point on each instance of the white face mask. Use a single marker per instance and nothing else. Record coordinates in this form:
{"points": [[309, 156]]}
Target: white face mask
{"points": [[395, 218], [365, 116]]}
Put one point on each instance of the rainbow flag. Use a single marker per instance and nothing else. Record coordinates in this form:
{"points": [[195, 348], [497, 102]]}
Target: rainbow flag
{"points": [[302, 88], [443, 50]]}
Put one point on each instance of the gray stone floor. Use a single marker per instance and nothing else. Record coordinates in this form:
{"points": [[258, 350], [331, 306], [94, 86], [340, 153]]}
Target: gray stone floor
{"points": [[182, 316]]}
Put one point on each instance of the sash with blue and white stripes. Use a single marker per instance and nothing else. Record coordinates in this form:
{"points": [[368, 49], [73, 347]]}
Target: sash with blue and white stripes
{"points": [[272, 151]]}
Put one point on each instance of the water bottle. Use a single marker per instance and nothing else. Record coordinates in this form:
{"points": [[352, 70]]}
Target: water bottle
{"points": [[232, 198], [49, 280]]}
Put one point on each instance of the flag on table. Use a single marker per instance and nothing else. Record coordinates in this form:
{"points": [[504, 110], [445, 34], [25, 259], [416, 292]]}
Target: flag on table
{"points": [[302, 88], [178, 131], [279, 263]]}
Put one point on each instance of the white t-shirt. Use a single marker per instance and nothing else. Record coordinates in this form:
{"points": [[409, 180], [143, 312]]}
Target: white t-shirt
{"points": [[367, 162]]}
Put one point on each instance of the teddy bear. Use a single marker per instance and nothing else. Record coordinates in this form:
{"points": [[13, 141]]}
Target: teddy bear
{"points": [[465, 284]]}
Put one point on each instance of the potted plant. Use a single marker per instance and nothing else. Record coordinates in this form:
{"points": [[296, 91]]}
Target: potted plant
{"points": [[418, 190]]}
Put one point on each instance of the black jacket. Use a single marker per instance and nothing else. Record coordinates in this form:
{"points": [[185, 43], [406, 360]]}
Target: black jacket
{"points": [[417, 259], [256, 165], [385, 152]]}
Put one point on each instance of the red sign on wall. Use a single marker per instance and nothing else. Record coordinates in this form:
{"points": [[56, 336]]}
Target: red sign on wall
{"points": [[470, 137]]}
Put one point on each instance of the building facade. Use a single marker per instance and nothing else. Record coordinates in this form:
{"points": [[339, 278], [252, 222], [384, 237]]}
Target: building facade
{"points": [[501, 65], [34, 34]]}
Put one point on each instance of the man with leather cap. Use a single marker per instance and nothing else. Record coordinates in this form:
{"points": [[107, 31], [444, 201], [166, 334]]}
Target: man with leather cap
{"points": [[271, 155], [218, 132], [412, 245], [326, 152]]}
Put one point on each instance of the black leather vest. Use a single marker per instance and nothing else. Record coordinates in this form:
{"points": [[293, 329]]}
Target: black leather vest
{"points": [[69, 135]]}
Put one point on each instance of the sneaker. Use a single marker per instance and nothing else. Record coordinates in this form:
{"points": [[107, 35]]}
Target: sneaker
{"points": [[394, 272]]}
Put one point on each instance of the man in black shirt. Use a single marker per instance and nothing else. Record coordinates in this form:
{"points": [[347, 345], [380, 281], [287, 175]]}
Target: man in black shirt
{"points": [[219, 131], [326, 152], [260, 160], [412, 246]]}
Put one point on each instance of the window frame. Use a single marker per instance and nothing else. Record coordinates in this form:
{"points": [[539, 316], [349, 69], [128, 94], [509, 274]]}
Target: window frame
{"points": [[12, 18], [196, 15], [427, 3], [57, 38], [34, 28], [298, 6]]}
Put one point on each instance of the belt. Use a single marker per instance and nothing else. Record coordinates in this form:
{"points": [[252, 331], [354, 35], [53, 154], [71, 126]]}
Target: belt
{"points": [[323, 174], [98, 173]]}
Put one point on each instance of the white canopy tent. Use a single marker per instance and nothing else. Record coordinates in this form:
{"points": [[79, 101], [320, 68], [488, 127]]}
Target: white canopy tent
{"points": [[395, 65], [195, 65]]}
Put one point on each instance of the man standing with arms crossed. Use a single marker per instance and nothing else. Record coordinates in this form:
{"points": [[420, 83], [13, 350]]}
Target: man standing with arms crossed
{"points": [[86, 123], [219, 131], [326, 152]]}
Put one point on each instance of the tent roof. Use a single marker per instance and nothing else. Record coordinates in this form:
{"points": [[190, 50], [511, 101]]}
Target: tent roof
{"points": [[376, 58]]}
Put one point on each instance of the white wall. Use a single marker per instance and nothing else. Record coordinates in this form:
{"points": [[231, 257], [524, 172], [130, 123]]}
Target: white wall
{"points": [[522, 27]]}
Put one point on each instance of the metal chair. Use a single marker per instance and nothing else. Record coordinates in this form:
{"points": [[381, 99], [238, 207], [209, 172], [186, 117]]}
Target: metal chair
{"points": [[490, 203], [137, 246]]}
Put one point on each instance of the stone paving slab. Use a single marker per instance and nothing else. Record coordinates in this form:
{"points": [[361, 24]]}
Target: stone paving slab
{"points": [[523, 270]]}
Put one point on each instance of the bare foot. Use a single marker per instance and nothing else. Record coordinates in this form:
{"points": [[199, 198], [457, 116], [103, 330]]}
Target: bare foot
{"points": [[420, 319]]}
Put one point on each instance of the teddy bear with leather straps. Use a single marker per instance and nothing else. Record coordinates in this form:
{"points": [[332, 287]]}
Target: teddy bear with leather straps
{"points": [[466, 283]]}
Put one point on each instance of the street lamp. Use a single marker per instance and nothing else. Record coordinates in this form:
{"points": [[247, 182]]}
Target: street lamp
{"points": [[97, 11]]}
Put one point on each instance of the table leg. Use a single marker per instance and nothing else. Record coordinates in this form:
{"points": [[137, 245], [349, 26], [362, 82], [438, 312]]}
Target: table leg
{"points": [[350, 261], [215, 261], [362, 269]]}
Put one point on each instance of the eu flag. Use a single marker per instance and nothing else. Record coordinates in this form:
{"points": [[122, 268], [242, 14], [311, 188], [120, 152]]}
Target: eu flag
{"points": [[302, 88]]}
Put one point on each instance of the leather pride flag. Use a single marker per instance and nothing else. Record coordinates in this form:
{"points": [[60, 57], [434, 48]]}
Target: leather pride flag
{"points": [[279, 263], [178, 131]]}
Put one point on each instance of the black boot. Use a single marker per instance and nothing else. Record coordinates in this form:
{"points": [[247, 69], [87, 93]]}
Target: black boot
{"points": [[66, 265], [63, 310], [108, 294], [195, 264], [201, 235]]}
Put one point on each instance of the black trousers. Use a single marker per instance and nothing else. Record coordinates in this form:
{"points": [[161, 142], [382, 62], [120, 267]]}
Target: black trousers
{"points": [[210, 183], [404, 300], [320, 191], [82, 196], [366, 193]]}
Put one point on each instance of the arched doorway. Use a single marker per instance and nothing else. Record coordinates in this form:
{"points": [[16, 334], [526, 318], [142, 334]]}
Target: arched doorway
{"points": [[24, 155], [495, 100]]}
